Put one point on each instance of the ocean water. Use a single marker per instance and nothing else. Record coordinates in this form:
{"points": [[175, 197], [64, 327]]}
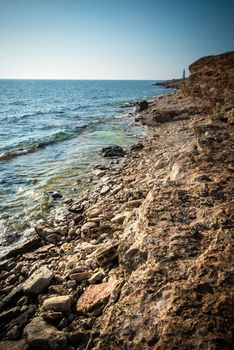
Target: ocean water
{"points": [[51, 132]]}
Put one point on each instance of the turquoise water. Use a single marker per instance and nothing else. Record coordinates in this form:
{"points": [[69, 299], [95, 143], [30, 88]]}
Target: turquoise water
{"points": [[50, 133]]}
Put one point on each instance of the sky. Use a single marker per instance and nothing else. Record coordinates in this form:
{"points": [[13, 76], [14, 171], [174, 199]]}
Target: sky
{"points": [[110, 39]]}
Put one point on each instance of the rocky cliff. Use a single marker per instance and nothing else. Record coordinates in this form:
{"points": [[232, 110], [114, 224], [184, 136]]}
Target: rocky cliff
{"points": [[212, 78], [144, 259]]}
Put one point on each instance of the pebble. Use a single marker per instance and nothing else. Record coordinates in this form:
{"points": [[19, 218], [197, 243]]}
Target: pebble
{"points": [[80, 276], [96, 278]]}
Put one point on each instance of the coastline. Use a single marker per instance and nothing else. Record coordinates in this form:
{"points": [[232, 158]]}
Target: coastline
{"points": [[142, 259]]}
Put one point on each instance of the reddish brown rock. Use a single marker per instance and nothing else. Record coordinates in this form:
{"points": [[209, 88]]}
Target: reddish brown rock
{"points": [[95, 297]]}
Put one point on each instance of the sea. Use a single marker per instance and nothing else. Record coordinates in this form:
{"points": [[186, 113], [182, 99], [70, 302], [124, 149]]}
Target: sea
{"points": [[51, 134]]}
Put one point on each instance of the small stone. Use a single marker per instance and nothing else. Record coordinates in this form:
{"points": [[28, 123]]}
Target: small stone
{"points": [[80, 276], [60, 303], [93, 213], [88, 226], [96, 278], [119, 218], [38, 281], [104, 190], [62, 230], [70, 284]]}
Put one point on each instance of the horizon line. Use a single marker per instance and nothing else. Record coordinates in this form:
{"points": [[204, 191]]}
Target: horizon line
{"points": [[83, 79]]}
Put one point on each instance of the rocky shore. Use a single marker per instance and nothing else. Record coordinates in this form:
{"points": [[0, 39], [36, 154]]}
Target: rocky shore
{"points": [[143, 259]]}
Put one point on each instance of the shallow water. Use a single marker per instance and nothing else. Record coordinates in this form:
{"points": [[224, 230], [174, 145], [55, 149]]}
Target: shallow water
{"points": [[50, 133]]}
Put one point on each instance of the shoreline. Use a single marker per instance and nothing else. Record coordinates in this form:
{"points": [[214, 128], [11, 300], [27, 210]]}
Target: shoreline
{"points": [[142, 260], [59, 199]]}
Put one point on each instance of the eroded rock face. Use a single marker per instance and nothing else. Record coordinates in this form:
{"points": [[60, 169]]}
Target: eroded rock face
{"points": [[212, 79]]}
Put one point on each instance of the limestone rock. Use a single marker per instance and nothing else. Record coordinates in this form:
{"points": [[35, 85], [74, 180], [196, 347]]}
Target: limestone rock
{"points": [[61, 303], [38, 281]]}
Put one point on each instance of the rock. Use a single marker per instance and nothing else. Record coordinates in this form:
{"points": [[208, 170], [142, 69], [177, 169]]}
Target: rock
{"points": [[96, 278], [95, 297], [17, 320], [38, 281], [106, 254], [89, 230], [119, 218], [98, 172], [93, 213], [14, 345], [70, 284], [142, 106], [53, 238], [113, 151], [44, 230], [105, 190], [9, 314], [88, 226], [41, 335], [22, 247], [137, 147], [11, 297], [60, 303], [80, 276]]}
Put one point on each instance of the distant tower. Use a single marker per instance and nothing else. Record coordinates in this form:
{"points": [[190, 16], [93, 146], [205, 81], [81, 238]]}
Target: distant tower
{"points": [[183, 73]]}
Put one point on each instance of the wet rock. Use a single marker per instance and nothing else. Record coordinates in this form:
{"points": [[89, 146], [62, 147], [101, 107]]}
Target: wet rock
{"points": [[22, 247], [14, 345], [60, 303], [113, 151], [41, 335], [95, 297], [142, 106], [38, 281], [43, 229]]}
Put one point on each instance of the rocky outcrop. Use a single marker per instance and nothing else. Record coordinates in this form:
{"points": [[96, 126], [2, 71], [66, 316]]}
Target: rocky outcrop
{"points": [[143, 259], [212, 79]]}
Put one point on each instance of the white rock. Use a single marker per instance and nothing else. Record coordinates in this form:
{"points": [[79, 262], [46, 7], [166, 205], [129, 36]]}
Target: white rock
{"points": [[38, 281], [61, 303]]}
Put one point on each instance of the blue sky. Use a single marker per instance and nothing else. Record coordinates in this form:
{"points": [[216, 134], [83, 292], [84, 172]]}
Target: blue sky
{"points": [[110, 39]]}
